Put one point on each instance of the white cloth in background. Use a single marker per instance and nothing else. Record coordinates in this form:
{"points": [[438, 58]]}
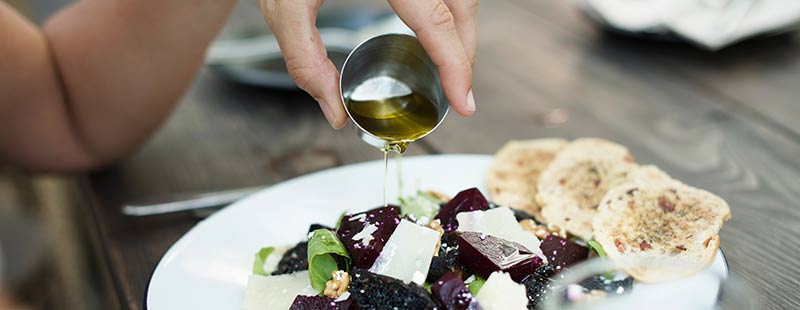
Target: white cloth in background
{"points": [[712, 24]]}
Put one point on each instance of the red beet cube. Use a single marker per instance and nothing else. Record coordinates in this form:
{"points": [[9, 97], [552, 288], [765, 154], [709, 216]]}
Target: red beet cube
{"points": [[562, 252], [467, 200], [485, 254], [453, 294], [364, 234]]}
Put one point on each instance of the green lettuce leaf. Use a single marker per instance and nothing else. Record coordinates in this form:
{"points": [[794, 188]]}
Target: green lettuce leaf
{"points": [[596, 247], [476, 285], [421, 208], [261, 257], [322, 246]]}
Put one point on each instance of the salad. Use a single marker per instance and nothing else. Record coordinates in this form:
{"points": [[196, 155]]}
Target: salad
{"points": [[429, 252]]}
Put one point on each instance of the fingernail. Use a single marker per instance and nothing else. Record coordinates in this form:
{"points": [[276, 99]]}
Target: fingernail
{"points": [[470, 101], [326, 110]]}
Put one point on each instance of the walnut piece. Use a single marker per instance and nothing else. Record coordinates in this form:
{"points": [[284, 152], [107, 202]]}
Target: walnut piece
{"points": [[439, 196], [542, 231], [437, 226], [337, 286]]}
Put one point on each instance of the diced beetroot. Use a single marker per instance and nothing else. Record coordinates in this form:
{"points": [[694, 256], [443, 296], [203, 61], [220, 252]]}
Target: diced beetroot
{"points": [[364, 234], [562, 252], [485, 254], [538, 285], [467, 200], [319, 303], [453, 294]]}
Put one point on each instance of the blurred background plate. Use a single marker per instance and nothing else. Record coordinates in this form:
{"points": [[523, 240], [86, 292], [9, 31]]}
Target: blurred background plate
{"points": [[246, 50], [708, 24], [654, 33]]}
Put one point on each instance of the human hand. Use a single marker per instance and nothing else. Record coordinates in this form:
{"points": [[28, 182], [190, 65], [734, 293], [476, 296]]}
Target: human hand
{"points": [[447, 29]]}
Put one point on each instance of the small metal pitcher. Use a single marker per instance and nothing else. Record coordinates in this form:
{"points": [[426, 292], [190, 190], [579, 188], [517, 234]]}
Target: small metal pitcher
{"points": [[386, 64]]}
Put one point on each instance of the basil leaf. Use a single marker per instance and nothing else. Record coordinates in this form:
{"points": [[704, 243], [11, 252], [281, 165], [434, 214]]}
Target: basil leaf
{"points": [[476, 285], [261, 257], [422, 208], [322, 246], [594, 245]]}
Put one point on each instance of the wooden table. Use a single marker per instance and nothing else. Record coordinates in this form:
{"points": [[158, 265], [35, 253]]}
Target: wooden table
{"points": [[726, 121]]}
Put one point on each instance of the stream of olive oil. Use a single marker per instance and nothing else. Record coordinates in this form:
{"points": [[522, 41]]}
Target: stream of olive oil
{"points": [[398, 120]]}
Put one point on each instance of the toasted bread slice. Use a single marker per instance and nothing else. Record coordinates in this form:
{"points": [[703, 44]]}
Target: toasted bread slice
{"points": [[515, 171], [572, 186], [663, 223]]}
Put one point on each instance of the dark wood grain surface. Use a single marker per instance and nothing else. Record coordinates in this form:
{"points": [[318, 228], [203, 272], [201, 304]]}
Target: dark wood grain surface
{"points": [[722, 121]]}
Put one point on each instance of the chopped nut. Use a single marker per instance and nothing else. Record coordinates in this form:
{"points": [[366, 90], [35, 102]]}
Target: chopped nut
{"points": [[531, 226], [441, 197], [558, 231], [705, 243], [437, 226], [542, 231], [338, 284]]}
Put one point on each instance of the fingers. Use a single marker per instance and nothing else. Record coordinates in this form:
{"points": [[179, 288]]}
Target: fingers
{"points": [[435, 26], [293, 23], [465, 13]]}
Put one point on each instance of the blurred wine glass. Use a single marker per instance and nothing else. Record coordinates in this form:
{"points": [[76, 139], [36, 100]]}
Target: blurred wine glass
{"points": [[604, 284]]}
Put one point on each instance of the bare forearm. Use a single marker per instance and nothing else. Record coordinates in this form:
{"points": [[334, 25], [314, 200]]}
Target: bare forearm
{"points": [[124, 64], [99, 79]]}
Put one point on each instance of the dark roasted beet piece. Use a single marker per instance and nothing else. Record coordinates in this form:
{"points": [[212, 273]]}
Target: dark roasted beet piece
{"points": [[447, 259], [453, 294], [319, 303], [610, 286], [536, 288], [485, 254], [538, 284], [547, 271], [364, 234], [467, 200], [373, 291], [295, 259], [438, 268], [314, 227], [561, 252]]}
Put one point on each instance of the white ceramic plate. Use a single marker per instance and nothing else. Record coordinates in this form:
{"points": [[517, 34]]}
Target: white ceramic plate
{"points": [[208, 267]]}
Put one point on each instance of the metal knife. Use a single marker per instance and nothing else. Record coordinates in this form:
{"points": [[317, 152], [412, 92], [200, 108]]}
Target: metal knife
{"points": [[189, 202]]}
